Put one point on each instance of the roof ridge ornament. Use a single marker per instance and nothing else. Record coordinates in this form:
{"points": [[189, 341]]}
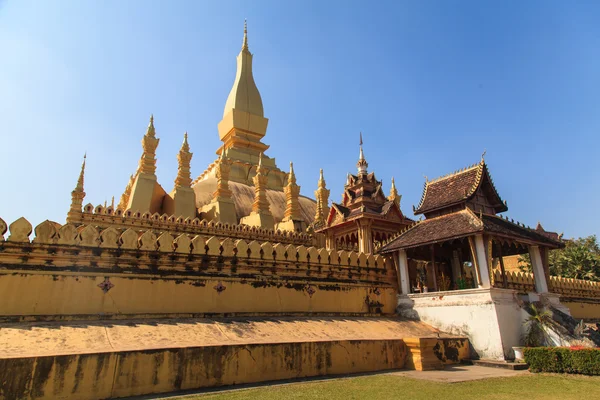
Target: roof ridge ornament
{"points": [[483, 155]]}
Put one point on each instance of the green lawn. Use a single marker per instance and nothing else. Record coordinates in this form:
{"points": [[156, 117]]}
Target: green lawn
{"points": [[529, 387]]}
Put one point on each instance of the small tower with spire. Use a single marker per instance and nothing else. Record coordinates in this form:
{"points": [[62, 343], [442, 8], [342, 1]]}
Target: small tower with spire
{"points": [[77, 196], [222, 207], [292, 218], [322, 197], [261, 213], [143, 188], [184, 198]]}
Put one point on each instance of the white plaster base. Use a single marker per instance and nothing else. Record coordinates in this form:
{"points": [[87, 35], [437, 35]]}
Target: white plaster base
{"points": [[492, 319]]}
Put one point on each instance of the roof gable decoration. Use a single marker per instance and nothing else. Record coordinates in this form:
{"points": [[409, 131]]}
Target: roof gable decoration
{"points": [[457, 187]]}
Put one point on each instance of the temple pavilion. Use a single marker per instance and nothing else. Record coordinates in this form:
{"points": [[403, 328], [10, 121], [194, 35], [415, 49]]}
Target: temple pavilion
{"points": [[365, 217], [462, 237]]}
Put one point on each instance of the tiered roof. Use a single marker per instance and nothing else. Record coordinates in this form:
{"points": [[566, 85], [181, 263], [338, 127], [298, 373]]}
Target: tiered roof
{"points": [[458, 187]]}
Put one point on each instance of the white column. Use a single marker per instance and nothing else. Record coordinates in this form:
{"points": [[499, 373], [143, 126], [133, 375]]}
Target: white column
{"points": [[403, 272], [484, 272], [541, 286]]}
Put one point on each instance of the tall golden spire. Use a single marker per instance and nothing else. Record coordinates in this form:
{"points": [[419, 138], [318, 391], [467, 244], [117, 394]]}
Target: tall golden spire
{"points": [[244, 95], [147, 163], [77, 196], [322, 196], [184, 178], [292, 191], [394, 196]]}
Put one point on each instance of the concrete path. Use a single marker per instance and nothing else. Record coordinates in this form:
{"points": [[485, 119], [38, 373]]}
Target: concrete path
{"points": [[460, 373]]}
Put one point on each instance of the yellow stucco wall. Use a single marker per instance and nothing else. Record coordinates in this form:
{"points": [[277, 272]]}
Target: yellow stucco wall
{"points": [[132, 373], [583, 309], [41, 293]]}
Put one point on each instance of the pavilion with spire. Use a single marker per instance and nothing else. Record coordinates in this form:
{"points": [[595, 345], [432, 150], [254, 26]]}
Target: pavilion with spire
{"points": [[365, 216]]}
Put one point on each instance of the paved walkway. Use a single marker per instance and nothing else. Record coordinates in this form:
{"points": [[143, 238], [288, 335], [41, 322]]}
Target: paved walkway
{"points": [[460, 373]]}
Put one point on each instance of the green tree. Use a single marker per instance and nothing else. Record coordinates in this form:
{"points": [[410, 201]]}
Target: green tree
{"points": [[580, 259]]}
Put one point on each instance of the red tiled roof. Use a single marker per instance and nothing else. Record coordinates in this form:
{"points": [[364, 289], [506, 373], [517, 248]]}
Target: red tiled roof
{"points": [[454, 188], [460, 224]]}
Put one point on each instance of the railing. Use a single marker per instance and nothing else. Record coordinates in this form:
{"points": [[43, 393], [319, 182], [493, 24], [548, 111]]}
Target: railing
{"points": [[524, 282]]}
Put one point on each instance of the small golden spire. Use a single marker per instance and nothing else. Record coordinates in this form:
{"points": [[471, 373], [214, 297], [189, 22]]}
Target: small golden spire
{"points": [[112, 203], [261, 203], [147, 164], [184, 178], [151, 131], [292, 175], [79, 186], [394, 193], [292, 191], [322, 197], [245, 43]]}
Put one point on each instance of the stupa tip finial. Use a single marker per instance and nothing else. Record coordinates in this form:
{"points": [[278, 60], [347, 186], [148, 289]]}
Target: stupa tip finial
{"points": [[151, 131], [245, 43], [321, 174], [393, 182]]}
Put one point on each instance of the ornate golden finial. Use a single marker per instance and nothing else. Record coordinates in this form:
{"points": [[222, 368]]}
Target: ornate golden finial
{"points": [[260, 204], [79, 186], [292, 191], [147, 164], [292, 175], [112, 203], [322, 197], [77, 195], [394, 194], [151, 131], [184, 178], [245, 43], [222, 170]]}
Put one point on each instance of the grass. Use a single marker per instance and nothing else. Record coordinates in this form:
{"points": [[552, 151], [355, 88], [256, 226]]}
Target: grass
{"points": [[535, 386]]}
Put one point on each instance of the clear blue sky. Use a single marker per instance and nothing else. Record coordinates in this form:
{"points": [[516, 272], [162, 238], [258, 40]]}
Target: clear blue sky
{"points": [[431, 84]]}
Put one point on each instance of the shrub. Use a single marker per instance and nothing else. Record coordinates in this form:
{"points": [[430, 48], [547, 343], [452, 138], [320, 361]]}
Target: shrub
{"points": [[563, 360]]}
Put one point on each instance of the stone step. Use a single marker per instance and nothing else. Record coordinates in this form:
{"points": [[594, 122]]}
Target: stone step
{"points": [[515, 366]]}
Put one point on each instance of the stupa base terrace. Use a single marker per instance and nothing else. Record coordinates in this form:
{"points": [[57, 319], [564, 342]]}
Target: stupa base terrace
{"points": [[87, 312], [106, 359]]}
